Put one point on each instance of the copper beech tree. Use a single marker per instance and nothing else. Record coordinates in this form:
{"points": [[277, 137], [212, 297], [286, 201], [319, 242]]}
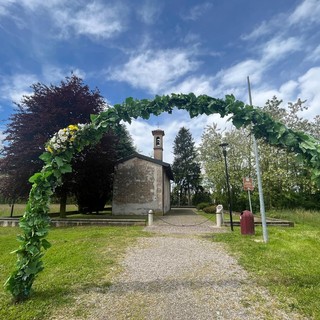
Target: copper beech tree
{"points": [[38, 116]]}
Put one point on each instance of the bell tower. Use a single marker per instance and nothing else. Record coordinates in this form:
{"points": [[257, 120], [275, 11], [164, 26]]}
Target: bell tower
{"points": [[158, 144]]}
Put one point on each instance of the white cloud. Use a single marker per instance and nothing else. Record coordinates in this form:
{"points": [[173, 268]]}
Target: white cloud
{"points": [[314, 54], [14, 87], [277, 47], [270, 52], [36, 4], [309, 90], [197, 85], [54, 74], [197, 11], [7, 7], [306, 87], [263, 29], [234, 78], [155, 71], [192, 38], [140, 130], [288, 90], [307, 12], [149, 11], [237, 74], [95, 19], [4, 4], [2, 136]]}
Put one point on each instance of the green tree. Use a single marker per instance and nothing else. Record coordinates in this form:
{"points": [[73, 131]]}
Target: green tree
{"points": [[239, 161], [286, 182], [185, 168], [92, 181]]}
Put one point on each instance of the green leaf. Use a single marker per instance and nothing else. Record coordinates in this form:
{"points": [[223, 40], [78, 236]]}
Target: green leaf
{"points": [[59, 161], [129, 101], [280, 129], [25, 226], [272, 139], [93, 117], [315, 174], [45, 244], [33, 250], [42, 233], [46, 157], [299, 158], [35, 177], [66, 168], [34, 267], [237, 122], [21, 238], [308, 145], [289, 139]]}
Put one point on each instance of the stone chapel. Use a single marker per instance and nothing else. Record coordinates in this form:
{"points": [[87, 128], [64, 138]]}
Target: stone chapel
{"points": [[142, 183]]}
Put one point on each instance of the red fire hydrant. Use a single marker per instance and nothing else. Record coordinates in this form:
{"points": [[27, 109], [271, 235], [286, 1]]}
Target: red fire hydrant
{"points": [[247, 222]]}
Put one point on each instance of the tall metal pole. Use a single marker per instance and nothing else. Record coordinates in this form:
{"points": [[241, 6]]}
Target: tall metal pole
{"points": [[224, 151], [262, 208], [249, 198]]}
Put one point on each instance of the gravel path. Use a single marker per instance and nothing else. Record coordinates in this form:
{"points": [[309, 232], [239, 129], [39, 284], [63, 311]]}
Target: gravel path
{"points": [[179, 274]]}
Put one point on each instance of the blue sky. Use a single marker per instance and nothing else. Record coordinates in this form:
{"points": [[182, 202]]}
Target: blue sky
{"points": [[141, 48]]}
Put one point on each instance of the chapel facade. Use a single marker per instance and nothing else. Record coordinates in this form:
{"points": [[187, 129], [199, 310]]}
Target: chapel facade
{"points": [[142, 183]]}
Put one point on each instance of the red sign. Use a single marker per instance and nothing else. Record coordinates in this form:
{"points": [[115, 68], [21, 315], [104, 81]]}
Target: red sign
{"points": [[247, 184]]}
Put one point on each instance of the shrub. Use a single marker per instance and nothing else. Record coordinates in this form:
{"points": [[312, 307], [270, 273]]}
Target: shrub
{"points": [[201, 197], [202, 205], [210, 209]]}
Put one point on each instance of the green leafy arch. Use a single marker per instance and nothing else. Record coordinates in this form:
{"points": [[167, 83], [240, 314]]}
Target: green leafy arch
{"points": [[68, 141]]}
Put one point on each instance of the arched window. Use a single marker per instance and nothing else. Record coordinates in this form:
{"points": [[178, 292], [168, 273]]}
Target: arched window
{"points": [[158, 142]]}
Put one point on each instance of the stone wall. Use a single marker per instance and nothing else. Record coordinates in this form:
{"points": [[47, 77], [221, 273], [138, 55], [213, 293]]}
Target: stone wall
{"points": [[166, 193], [137, 187]]}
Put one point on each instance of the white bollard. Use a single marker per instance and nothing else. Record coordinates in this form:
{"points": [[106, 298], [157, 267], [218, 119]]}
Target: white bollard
{"points": [[150, 218], [219, 215]]}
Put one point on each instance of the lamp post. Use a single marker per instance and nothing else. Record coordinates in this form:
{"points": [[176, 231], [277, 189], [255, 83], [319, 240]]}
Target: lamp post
{"points": [[224, 151]]}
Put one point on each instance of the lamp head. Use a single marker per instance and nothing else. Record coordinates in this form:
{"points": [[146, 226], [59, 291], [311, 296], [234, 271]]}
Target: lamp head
{"points": [[224, 148], [223, 145]]}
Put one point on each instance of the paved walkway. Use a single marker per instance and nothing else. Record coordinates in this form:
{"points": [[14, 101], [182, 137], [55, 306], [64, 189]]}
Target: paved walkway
{"points": [[185, 221]]}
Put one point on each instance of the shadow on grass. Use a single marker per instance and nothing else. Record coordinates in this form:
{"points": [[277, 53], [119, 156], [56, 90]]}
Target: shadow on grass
{"points": [[61, 295]]}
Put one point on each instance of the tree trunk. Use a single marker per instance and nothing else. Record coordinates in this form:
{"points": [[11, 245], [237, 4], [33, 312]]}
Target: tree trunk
{"points": [[189, 197], [63, 204], [12, 208]]}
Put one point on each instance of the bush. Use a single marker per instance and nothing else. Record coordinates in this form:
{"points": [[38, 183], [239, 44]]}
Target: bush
{"points": [[202, 205], [210, 209], [201, 197]]}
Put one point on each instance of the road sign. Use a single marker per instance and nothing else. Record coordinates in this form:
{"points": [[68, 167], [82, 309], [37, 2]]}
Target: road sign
{"points": [[247, 184]]}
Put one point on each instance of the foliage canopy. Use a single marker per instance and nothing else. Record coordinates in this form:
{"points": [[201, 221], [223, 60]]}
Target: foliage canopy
{"points": [[185, 167]]}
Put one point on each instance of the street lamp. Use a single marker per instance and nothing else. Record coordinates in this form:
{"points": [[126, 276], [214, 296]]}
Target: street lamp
{"points": [[224, 151]]}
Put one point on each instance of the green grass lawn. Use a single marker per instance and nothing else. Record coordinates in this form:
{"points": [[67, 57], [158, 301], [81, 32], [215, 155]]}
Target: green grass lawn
{"points": [[85, 257], [289, 264], [80, 258]]}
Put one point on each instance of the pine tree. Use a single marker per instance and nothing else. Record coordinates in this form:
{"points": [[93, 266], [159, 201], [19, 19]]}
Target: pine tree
{"points": [[186, 169]]}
